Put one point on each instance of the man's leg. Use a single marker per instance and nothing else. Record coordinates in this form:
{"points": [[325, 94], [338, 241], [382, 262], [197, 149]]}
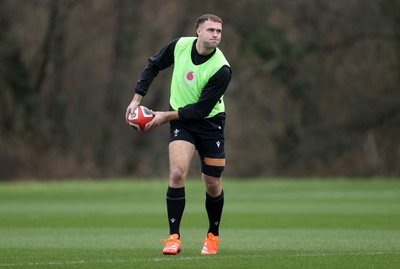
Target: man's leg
{"points": [[180, 155], [214, 206], [214, 202]]}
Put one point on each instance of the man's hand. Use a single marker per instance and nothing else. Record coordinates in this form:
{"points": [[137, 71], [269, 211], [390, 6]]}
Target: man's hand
{"points": [[133, 105], [161, 117]]}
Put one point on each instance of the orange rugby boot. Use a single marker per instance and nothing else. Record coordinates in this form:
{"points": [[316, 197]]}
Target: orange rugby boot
{"points": [[172, 245], [210, 245]]}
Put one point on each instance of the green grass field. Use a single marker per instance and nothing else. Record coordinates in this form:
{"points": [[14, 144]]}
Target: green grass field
{"points": [[266, 224]]}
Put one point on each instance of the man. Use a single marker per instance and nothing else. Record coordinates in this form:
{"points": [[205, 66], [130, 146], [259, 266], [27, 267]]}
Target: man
{"points": [[197, 117]]}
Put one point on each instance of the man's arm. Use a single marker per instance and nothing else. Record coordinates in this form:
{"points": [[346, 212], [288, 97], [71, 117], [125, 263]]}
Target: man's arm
{"points": [[211, 94], [156, 63]]}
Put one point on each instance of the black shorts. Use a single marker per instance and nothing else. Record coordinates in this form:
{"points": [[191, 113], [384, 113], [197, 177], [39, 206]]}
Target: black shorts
{"points": [[209, 142]]}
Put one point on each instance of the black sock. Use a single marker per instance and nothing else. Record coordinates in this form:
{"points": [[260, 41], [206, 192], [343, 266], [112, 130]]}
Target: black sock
{"points": [[175, 207], [214, 206]]}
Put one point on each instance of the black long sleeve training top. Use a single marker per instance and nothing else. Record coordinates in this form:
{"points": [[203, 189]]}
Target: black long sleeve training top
{"points": [[211, 93]]}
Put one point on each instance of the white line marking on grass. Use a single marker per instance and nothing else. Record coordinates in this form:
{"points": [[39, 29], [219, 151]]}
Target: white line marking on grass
{"points": [[344, 254], [169, 258]]}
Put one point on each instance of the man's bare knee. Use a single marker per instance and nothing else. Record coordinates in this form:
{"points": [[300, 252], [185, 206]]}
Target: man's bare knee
{"points": [[177, 177], [213, 185]]}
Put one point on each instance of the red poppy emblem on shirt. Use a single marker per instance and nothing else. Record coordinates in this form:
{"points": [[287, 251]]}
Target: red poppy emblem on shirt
{"points": [[189, 76]]}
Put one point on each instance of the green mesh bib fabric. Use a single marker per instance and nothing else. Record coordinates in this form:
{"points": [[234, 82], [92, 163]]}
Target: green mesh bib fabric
{"points": [[188, 80]]}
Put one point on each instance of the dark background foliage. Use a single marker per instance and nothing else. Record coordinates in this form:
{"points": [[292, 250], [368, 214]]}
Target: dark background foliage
{"points": [[315, 88]]}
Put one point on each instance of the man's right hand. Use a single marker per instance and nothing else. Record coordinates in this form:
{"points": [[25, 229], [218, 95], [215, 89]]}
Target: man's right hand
{"points": [[133, 105]]}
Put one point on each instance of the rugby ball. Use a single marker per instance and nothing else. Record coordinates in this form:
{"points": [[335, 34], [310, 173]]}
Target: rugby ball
{"points": [[140, 118]]}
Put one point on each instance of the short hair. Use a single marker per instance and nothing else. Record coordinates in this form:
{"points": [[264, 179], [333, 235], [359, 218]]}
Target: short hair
{"points": [[206, 17]]}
